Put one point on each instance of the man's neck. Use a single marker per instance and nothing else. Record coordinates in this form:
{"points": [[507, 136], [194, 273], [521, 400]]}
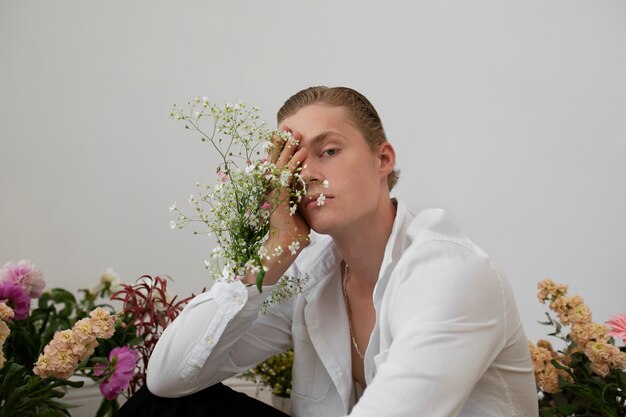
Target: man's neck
{"points": [[363, 247]]}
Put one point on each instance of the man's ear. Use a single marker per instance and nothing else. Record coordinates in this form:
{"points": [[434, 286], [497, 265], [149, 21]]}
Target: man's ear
{"points": [[387, 157]]}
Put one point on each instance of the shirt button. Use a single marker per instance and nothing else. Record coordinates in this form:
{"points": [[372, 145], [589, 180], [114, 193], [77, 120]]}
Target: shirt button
{"points": [[210, 340], [239, 300]]}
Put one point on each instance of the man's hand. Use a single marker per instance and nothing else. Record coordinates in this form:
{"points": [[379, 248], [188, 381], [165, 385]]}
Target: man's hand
{"points": [[289, 233]]}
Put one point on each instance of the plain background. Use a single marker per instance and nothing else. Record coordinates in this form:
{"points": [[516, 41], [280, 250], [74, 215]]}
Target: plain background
{"points": [[509, 114]]}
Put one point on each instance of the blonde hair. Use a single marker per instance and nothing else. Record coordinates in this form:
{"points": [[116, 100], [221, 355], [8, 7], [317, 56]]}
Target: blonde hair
{"points": [[360, 111]]}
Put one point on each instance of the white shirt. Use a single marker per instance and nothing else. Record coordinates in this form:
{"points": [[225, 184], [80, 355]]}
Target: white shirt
{"points": [[448, 340]]}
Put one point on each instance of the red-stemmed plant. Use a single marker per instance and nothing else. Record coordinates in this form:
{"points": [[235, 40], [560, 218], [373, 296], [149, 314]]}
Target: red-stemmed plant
{"points": [[149, 308]]}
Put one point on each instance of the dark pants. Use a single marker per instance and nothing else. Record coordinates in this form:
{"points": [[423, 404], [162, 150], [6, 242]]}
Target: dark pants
{"points": [[216, 401]]}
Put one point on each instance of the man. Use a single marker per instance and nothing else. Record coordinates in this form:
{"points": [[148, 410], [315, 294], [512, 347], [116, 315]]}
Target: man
{"points": [[402, 316]]}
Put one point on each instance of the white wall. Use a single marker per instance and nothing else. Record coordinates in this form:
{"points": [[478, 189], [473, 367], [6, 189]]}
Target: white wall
{"points": [[510, 114]]}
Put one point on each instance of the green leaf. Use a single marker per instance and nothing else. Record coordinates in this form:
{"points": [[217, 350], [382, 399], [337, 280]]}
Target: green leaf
{"points": [[104, 409], [259, 279], [135, 341], [547, 412]]}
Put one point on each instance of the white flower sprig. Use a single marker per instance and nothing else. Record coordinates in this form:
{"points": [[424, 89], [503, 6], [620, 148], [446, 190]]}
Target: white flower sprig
{"points": [[237, 209]]}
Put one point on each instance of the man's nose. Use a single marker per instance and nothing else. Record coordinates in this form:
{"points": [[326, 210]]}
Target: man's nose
{"points": [[309, 172]]}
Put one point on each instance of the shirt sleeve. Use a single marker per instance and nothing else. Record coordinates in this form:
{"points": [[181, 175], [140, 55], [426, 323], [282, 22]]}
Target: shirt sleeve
{"points": [[446, 320], [219, 334]]}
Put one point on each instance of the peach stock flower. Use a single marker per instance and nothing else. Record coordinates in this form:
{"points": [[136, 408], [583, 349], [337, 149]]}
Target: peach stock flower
{"points": [[583, 333], [69, 347], [605, 357], [103, 324], [550, 290], [5, 313], [586, 337], [571, 309], [546, 374]]}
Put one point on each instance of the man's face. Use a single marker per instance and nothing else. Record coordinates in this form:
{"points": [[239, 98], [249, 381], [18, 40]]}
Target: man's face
{"points": [[338, 154]]}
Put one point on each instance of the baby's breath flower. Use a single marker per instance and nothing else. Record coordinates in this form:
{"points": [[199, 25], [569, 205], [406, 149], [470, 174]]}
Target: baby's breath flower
{"points": [[325, 184], [237, 210], [293, 247], [285, 178], [320, 200]]}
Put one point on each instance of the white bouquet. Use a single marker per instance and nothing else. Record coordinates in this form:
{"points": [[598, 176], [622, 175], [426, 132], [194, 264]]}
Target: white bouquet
{"points": [[237, 208]]}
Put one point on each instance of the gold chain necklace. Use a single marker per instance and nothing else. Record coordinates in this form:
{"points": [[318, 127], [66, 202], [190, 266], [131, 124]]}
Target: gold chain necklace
{"points": [[346, 276]]}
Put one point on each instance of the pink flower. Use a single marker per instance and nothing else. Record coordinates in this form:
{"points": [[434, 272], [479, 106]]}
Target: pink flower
{"points": [[222, 176], [618, 326], [265, 206], [118, 372], [25, 274], [15, 297]]}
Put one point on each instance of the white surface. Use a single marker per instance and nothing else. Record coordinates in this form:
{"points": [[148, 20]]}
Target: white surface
{"points": [[518, 107]]}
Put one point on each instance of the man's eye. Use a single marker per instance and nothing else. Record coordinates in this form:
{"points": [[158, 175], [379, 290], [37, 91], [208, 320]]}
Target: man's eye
{"points": [[330, 152]]}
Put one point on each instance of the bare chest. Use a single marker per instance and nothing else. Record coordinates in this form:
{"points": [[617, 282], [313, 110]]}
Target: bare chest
{"points": [[362, 318]]}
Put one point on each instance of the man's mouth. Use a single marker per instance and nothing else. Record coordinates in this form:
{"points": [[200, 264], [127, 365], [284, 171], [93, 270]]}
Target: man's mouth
{"points": [[316, 200]]}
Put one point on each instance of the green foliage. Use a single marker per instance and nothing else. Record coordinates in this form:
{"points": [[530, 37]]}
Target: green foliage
{"points": [[274, 373], [588, 394], [24, 394]]}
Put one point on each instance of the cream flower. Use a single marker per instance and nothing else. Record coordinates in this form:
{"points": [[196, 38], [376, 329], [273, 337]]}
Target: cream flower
{"points": [[109, 283], [4, 333], [6, 312]]}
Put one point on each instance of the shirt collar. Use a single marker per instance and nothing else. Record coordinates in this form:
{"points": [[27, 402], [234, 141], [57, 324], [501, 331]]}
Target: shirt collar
{"points": [[396, 245]]}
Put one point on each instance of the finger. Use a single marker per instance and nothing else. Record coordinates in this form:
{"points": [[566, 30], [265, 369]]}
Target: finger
{"points": [[276, 149], [289, 149], [297, 159], [295, 167]]}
